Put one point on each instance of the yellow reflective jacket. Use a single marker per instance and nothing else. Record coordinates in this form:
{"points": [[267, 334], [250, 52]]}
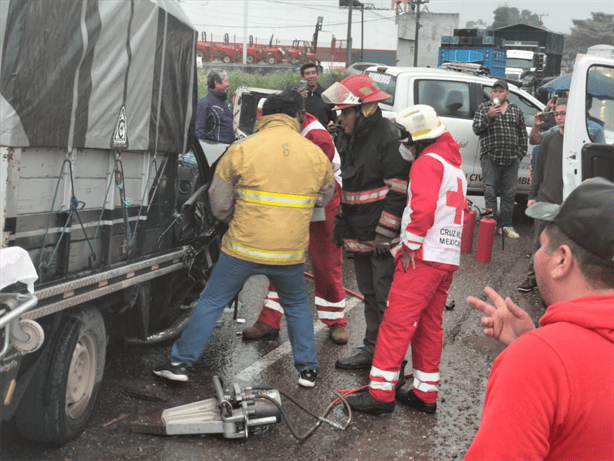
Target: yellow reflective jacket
{"points": [[266, 186]]}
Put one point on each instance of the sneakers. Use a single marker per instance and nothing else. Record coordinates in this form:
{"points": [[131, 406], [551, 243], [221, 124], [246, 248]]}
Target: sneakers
{"points": [[509, 232], [407, 397], [528, 285], [365, 403], [175, 371], [339, 334], [259, 330], [308, 378]]}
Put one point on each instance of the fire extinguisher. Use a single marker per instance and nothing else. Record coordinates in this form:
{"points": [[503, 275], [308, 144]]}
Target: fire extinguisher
{"points": [[468, 231], [486, 237]]}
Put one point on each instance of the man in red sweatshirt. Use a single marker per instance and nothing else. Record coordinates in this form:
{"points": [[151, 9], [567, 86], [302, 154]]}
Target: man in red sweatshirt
{"points": [[550, 394], [426, 259]]}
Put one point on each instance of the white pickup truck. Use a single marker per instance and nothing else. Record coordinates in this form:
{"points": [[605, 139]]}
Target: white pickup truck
{"points": [[455, 96]]}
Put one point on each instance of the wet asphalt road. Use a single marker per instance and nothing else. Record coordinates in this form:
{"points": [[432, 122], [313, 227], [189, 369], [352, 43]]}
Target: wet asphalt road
{"points": [[129, 389]]}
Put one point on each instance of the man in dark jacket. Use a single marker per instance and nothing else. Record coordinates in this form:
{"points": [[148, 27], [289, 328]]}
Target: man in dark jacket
{"points": [[213, 114], [375, 179], [312, 92]]}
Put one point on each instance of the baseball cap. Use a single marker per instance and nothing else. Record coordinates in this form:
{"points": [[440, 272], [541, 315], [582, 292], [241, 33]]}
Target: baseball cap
{"points": [[501, 83], [586, 216]]}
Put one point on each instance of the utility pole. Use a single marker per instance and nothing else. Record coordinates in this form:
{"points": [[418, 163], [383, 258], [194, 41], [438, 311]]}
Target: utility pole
{"points": [[348, 47], [417, 4]]}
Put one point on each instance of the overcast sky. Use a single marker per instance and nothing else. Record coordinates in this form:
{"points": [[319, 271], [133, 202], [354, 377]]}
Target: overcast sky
{"points": [[295, 19]]}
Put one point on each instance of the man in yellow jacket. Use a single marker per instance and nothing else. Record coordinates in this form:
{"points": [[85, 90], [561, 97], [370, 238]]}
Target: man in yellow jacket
{"points": [[265, 186]]}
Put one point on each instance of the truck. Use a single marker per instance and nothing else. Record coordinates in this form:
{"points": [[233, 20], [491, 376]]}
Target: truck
{"points": [[103, 192], [533, 54], [475, 50], [591, 99]]}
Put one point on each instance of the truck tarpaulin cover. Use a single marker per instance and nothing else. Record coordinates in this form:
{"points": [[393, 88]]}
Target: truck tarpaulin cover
{"points": [[96, 74]]}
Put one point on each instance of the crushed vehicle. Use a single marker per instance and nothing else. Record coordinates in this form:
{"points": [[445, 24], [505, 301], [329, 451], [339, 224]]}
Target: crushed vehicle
{"points": [[103, 184]]}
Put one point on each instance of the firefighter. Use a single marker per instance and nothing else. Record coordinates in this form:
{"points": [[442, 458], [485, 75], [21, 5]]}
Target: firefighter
{"points": [[426, 259], [374, 194]]}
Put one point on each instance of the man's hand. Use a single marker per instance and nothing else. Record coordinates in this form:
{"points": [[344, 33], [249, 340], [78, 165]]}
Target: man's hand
{"points": [[495, 110], [408, 258], [530, 202], [331, 128], [537, 120], [381, 245], [339, 231], [504, 321], [303, 91]]}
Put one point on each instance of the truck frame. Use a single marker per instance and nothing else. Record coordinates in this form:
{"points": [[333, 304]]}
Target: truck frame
{"points": [[104, 185]]}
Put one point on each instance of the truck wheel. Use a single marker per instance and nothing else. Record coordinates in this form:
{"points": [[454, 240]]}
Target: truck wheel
{"points": [[58, 403], [250, 59], [227, 59]]}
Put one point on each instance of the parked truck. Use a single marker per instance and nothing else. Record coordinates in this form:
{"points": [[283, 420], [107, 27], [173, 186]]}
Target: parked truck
{"points": [[533, 54], [104, 185]]}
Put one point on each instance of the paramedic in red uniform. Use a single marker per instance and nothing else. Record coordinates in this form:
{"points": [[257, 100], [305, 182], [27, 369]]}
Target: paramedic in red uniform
{"points": [[326, 257], [426, 259]]}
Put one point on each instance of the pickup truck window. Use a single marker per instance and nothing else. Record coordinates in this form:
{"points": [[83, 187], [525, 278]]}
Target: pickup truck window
{"points": [[448, 98], [385, 82], [528, 108], [600, 105]]}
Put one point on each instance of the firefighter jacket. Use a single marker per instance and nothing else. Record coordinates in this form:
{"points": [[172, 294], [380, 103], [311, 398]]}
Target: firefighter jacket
{"points": [[265, 186], [375, 179]]}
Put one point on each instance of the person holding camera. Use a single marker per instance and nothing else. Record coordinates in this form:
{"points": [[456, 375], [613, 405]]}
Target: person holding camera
{"points": [[503, 143], [546, 182]]}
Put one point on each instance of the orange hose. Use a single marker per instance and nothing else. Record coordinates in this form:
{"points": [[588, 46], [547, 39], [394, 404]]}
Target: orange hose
{"points": [[348, 291]]}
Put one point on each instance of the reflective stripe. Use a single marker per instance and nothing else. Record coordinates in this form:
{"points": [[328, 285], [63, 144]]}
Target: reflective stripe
{"points": [[390, 220], [427, 377], [397, 185], [368, 196], [387, 375], [273, 305], [359, 247], [413, 237], [424, 387], [385, 386], [264, 255], [322, 302], [328, 315], [277, 199]]}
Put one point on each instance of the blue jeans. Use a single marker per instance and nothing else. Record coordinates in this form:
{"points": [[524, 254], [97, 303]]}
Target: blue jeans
{"points": [[500, 180], [228, 276]]}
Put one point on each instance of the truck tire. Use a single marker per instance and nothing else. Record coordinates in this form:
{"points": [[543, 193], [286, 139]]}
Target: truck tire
{"points": [[58, 403], [250, 59], [227, 58]]}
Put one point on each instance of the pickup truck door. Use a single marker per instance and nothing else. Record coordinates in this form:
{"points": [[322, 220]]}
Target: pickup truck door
{"points": [[588, 149]]}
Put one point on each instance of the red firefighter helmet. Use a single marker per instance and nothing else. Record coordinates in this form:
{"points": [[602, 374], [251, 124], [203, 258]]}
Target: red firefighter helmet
{"points": [[353, 91]]}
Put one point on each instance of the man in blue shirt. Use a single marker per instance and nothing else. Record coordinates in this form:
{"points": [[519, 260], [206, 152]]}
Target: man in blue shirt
{"points": [[214, 115]]}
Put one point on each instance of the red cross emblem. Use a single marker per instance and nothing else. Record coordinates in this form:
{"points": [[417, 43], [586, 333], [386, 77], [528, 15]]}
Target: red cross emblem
{"points": [[457, 200]]}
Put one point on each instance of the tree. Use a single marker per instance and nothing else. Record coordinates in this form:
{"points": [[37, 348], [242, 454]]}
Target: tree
{"points": [[479, 24], [506, 16], [588, 32]]}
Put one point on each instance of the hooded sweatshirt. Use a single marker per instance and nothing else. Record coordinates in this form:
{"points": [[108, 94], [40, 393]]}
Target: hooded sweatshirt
{"points": [[550, 394], [433, 220]]}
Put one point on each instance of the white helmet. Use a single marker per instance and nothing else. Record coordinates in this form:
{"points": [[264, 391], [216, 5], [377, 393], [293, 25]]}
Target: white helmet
{"points": [[421, 121]]}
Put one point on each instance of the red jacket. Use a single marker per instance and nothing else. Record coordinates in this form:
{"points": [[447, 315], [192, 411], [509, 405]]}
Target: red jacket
{"points": [[550, 394]]}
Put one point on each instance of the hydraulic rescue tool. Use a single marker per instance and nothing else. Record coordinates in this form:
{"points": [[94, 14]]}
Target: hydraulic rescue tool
{"points": [[232, 412]]}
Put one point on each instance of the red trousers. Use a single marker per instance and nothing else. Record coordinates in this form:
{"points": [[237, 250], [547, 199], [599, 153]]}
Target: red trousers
{"points": [[327, 262], [414, 316]]}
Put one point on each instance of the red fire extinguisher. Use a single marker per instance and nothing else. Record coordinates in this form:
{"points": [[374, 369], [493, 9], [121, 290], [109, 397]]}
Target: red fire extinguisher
{"points": [[486, 237], [468, 231]]}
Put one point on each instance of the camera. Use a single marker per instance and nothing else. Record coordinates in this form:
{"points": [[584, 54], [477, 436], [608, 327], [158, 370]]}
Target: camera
{"points": [[548, 120]]}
